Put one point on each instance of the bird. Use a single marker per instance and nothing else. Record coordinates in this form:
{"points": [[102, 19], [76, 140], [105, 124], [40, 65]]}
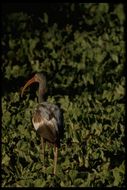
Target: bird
{"points": [[47, 118]]}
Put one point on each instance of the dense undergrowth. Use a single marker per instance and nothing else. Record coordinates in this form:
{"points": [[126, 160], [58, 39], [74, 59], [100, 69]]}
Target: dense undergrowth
{"points": [[82, 52]]}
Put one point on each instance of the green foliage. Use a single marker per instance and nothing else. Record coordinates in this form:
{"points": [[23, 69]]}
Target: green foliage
{"points": [[84, 61]]}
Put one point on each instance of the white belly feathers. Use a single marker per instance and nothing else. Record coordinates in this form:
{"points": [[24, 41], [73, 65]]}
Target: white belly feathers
{"points": [[51, 123], [36, 125]]}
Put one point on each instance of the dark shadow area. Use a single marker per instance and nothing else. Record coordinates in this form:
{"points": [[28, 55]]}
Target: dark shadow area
{"points": [[57, 13], [37, 9]]}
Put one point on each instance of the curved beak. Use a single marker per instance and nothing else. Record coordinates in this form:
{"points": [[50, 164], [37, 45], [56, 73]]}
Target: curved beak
{"points": [[29, 82]]}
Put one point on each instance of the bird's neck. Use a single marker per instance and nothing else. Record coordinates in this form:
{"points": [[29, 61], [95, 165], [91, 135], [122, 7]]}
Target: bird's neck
{"points": [[41, 93]]}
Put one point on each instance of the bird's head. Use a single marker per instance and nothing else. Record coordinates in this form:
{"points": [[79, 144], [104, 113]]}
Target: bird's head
{"points": [[38, 77]]}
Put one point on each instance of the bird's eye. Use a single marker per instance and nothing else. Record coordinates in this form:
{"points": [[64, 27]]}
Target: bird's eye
{"points": [[37, 78]]}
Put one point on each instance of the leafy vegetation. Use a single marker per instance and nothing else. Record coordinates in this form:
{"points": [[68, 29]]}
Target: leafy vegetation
{"points": [[82, 51]]}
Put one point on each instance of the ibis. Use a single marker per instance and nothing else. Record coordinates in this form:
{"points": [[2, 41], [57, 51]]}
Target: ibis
{"points": [[47, 118]]}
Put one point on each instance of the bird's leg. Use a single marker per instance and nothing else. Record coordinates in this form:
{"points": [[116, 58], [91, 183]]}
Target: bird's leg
{"points": [[43, 151], [55, 158]]}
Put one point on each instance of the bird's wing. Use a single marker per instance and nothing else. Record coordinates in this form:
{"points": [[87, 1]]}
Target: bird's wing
{"points": [[47, 120], [57, 113]]}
